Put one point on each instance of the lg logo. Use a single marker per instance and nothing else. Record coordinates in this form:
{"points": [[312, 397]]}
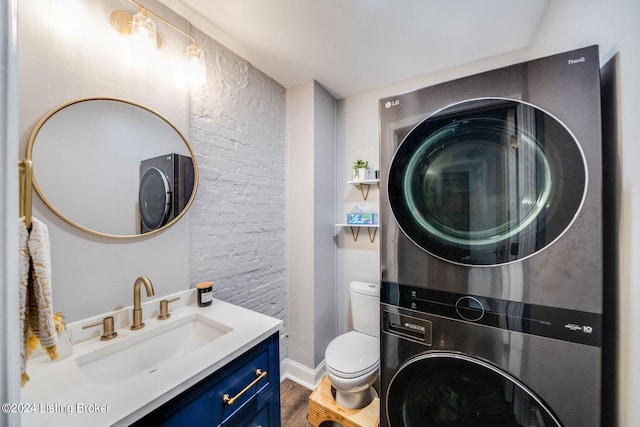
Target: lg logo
{"points": [[393, 103]]}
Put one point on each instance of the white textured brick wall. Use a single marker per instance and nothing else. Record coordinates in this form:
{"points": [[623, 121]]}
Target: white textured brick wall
{"points": [[238, 218]]}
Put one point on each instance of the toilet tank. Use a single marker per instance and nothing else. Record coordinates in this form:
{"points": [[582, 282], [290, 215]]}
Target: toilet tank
{"points": [[365, 307]]}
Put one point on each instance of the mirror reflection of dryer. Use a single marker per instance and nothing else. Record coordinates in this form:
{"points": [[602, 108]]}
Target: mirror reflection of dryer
{"points": [[166, 184]]}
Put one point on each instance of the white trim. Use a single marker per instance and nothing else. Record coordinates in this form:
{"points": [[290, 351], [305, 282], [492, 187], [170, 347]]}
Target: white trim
{"points": [[9, 336], [300, 374]]}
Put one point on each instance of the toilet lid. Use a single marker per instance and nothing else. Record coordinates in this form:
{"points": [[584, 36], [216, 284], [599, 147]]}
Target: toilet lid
{"points": [[353, 354]]}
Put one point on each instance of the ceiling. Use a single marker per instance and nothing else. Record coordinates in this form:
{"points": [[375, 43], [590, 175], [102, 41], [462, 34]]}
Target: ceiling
{"points": [[350, 46]]}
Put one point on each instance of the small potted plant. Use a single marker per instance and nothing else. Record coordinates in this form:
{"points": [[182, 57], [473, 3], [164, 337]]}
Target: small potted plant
{"points": [[361, 170]]}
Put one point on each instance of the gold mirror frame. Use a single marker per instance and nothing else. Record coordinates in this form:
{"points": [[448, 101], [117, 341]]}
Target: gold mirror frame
{"points": [[50, 114]]}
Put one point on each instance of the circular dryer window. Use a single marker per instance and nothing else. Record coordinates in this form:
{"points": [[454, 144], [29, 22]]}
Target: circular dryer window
{"points": [[154, 198], [443, 389], [487, 182]]}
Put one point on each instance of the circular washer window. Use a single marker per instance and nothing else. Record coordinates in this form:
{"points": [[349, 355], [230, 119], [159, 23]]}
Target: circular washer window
{"points": [[487, 182], [443, 389], [154, 198]]}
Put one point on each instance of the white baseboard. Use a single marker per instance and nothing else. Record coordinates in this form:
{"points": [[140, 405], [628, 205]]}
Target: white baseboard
{"points": [[306, 377]]}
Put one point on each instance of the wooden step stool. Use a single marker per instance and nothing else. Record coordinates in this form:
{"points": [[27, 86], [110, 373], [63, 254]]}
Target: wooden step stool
{"points": [[323, 407]]}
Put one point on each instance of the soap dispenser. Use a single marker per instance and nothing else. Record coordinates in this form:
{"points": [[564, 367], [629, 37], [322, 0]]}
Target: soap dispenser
{"points": [[63, 336]]}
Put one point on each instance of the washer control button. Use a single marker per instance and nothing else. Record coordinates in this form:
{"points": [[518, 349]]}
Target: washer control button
{"points": [[470, 308]]}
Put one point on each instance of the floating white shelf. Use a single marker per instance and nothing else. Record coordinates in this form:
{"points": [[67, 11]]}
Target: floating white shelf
{"points": [[364, 186], [355, 230], [359, 225]]}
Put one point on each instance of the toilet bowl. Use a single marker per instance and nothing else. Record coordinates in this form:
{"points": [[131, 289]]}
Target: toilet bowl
{"points": [[352, 359]]}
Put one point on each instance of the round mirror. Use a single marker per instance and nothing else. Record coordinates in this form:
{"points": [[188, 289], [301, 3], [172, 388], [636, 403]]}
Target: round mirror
{"points": [[97, 163]]}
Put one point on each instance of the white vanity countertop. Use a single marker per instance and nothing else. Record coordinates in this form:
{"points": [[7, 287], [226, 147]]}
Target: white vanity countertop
{"points": [[60, 394]]}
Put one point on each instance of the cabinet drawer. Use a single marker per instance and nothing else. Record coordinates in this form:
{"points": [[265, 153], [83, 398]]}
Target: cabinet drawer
{"points": [[243, 383], [260, 417], [204, 404]]}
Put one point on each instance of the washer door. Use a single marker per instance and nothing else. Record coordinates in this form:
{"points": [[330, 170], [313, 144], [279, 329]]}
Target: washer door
{"points": [[487, 182], [443, 389], [154, 198]]}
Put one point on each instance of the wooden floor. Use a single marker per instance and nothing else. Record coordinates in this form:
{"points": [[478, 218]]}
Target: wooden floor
{"points": [[294, 403]]}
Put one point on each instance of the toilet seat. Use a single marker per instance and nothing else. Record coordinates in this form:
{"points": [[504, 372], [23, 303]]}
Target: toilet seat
{"points": [[352, 355]]}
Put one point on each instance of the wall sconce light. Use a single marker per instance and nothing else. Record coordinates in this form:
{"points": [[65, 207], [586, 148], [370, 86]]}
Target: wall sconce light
{"points": [[142, 30]]}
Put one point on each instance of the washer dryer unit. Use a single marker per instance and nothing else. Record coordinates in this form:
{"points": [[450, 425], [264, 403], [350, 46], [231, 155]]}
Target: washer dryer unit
{"points": [[166, 185], [491, 199]]}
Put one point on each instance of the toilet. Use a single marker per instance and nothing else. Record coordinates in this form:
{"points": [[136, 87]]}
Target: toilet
{"points": [[352, 359]]}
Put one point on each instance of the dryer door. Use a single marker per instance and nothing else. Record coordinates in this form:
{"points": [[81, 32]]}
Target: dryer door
{"points": [[154, 198], [487, 182], [443, 389]]}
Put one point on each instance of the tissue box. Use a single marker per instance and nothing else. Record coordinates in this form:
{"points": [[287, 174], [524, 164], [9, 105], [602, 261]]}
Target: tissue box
{"points": [[362, 218]]}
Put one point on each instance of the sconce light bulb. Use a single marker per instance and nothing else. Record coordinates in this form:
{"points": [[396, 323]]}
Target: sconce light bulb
{"points": [[143, 33], [196, 65]]}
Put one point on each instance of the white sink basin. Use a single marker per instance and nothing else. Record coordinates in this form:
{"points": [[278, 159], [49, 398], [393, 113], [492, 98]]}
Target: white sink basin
{"points": [[145, 351]]}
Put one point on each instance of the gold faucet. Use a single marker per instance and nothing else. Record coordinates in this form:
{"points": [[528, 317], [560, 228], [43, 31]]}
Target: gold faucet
{"points": [[137, 308]]}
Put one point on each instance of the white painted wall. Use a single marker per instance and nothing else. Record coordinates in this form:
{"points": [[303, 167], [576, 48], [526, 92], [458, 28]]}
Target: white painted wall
{"points": [[9, 335], [356, 139], [311, 317], [567, 25], [324, 195], [300, 218]]}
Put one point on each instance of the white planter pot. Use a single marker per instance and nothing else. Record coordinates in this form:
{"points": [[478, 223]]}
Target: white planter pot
{"points": [[361, 174]]}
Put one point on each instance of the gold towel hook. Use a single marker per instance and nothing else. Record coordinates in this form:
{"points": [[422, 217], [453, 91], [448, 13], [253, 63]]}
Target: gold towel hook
{"points": [[26, 179]]}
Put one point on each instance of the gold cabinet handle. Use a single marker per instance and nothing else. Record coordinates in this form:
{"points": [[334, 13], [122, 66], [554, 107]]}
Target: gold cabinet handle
{"points": [[230, 400]]}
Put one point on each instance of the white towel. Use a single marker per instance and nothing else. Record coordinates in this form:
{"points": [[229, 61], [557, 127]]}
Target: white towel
{"points": [[36, 308]]}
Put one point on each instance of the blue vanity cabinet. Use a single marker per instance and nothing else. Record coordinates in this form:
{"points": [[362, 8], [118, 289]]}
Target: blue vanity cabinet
{"points": [[204, 403]]}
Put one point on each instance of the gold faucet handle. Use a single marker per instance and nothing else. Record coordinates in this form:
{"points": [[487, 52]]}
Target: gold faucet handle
{"points": [[108, 332], [164, 308]]}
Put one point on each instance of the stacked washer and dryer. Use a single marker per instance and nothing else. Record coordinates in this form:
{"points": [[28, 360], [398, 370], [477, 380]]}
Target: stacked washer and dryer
{"points": [[491, 250]]}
